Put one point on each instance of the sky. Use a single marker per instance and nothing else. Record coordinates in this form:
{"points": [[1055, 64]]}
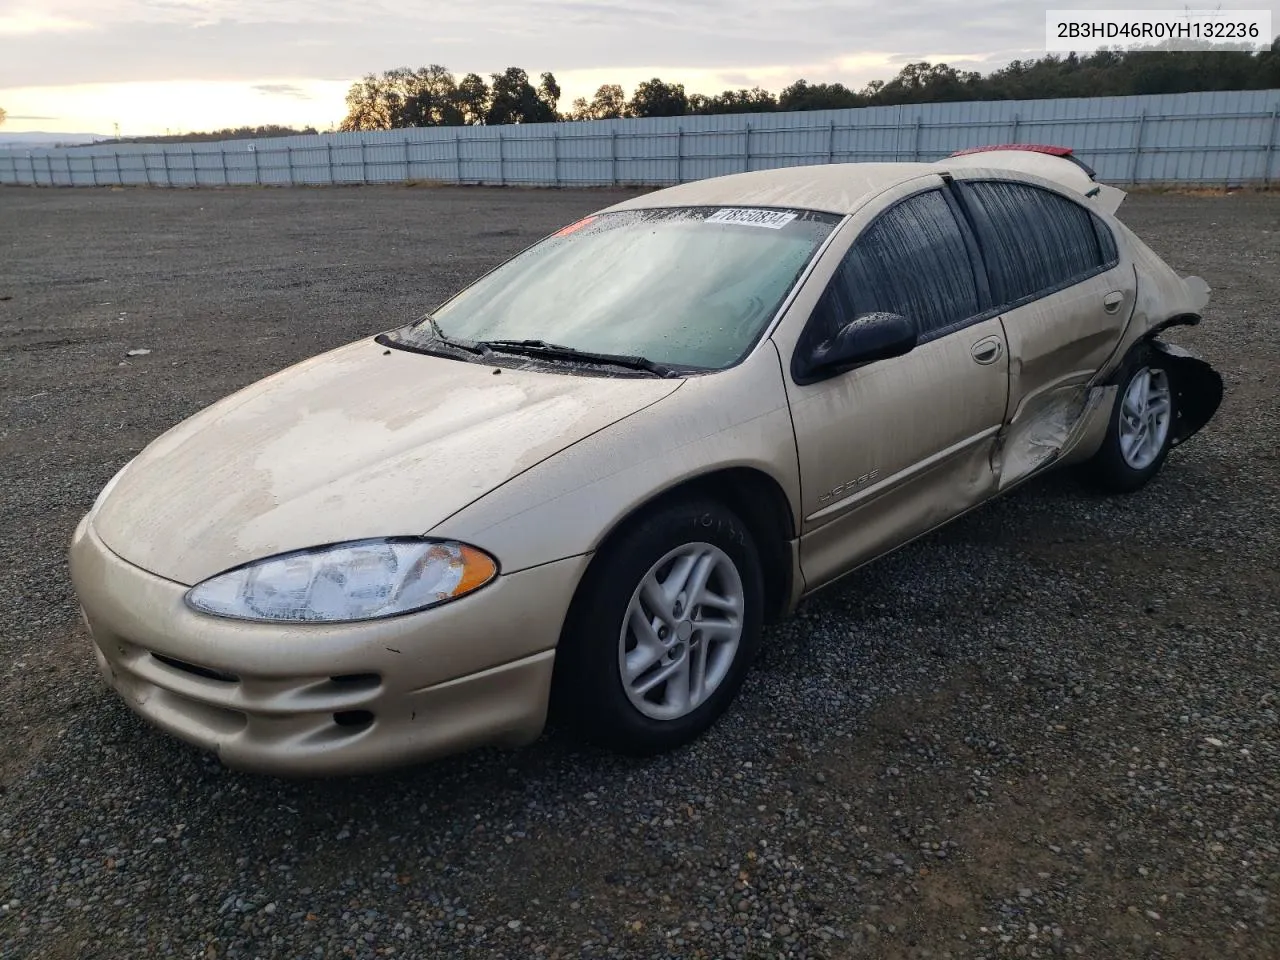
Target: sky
{"points": [[151, 66]]}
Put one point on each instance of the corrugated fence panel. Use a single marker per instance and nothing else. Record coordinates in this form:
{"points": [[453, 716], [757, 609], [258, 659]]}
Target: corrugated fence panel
{"points": [[1220, 138]]}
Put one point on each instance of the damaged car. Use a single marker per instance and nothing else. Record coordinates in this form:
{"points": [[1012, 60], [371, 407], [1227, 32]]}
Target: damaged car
{"points": [[589, 479]]}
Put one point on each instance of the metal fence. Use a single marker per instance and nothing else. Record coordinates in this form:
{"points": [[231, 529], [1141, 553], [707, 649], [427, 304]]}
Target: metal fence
{"points": [[1226, 139]]}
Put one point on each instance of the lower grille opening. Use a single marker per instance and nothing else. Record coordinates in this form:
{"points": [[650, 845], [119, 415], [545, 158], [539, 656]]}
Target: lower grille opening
{"points": [[207, 672], [353, 719], [357, 681]]}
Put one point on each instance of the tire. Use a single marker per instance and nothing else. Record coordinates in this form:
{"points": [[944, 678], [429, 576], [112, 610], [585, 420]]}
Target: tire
{"points": [[606, 628], [1131, 454]]}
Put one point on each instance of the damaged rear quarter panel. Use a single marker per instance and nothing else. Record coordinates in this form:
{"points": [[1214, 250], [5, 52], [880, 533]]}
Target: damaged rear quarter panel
{"points": [[1162, 295]]}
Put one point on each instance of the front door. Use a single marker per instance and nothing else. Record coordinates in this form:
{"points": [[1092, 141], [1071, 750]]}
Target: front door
{"points": [[895, 447]]}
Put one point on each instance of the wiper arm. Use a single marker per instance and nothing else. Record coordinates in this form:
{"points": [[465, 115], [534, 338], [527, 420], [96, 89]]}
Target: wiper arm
{"points": [[556, 351], [471, 346]]}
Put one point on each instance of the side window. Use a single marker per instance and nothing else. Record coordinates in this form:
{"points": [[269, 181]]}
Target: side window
{"points": [[910, 260], [1034, 241], [1107, 241]]}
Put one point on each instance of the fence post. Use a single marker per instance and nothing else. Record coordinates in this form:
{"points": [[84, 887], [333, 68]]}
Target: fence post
{"points": [[502, 161], [408, 175], [164, 151], [746, 151], [831, 142], [613, 157], [915, 145], [328, 159], [1271, 147], [1137, 146], [364, 164], [48, 160], [195, 168], [146, 167], [457, 155], [288, 162], [1013, 132], [555, 156], [93, 166], [679, 154]]}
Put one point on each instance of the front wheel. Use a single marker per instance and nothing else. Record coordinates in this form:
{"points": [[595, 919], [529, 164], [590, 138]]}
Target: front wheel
{"points": [[1141, 429], [664, 629]]}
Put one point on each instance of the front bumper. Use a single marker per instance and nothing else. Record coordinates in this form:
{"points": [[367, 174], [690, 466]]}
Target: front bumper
{"points": [[327, 699]]}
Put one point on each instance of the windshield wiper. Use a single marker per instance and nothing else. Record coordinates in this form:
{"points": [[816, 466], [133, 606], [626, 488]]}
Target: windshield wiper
{"points": [[555, 351], [471, 346]]}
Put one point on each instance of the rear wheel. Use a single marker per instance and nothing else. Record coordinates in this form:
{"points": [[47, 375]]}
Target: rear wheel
{"points": [[1141, 428], [664, 629]]}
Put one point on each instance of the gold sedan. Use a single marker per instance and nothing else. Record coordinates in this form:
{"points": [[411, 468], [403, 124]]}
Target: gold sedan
{"points": [[593, 475]]}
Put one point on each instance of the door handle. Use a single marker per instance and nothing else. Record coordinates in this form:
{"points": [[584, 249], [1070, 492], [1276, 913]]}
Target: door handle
{"points": [[1111, 302], [988, 350]]}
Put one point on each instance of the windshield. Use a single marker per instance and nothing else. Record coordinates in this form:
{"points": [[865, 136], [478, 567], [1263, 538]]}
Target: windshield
{"points": [[683, 287]]}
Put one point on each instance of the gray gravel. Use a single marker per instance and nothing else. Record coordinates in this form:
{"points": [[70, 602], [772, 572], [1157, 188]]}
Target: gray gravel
{"points": [[1050, 729]]}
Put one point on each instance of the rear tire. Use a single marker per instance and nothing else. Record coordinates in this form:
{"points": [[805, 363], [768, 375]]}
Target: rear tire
{"points": [[663, 630], [1140, 431]]}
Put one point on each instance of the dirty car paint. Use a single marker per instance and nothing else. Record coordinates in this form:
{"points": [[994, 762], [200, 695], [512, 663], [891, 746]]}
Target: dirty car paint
{"points": [[355, 443]]}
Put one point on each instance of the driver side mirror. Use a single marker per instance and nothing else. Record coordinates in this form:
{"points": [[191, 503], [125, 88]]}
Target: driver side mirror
{"points": [[864, 339]]}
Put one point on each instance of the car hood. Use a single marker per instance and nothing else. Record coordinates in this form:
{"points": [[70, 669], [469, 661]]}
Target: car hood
{"points": [[359, 442]]}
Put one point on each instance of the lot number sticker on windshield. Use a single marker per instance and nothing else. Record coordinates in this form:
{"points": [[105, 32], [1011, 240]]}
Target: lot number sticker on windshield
{"points": [[773, 219]]}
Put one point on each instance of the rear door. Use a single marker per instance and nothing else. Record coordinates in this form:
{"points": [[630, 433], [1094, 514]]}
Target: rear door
{"points": [[894, 447], [1064, 296]]}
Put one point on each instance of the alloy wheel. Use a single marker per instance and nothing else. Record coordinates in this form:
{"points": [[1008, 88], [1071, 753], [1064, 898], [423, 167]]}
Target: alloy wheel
{"points": [[681, 632]]}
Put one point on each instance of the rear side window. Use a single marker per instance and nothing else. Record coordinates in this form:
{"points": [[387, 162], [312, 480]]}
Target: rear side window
{"points": [[910, 260], [1034, 241], [1107, 240]]}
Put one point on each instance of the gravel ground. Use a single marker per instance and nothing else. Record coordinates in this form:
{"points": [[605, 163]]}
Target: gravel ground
{"points": [[1050, 729]]}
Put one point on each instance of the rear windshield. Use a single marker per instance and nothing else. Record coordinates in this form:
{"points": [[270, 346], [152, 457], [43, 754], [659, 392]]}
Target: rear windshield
{"points": [[684, 287]]}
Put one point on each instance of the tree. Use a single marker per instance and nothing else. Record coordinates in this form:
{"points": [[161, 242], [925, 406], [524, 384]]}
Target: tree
{"points": [[512, 98], [2, 116], [473, 98], [654, 98], [549, 92], [369, 105], [1268, 67], [429, 98], [754, 100], [608, 103], [924, 82], [803, 95], [425, 97]]}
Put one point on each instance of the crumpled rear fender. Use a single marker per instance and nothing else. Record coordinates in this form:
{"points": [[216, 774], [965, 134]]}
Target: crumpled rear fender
{"points": [[1197, 394], [1197, 388]]}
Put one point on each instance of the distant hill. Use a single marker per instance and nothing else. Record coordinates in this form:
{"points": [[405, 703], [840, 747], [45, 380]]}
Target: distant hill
{"points": [[39, 138]]}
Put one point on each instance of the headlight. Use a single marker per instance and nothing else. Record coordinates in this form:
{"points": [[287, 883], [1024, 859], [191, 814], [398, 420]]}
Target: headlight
{"points": [[106, 491], [362, 580]]}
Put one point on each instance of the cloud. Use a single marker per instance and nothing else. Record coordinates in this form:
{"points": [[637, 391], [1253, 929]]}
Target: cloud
{"points": [[282, 90], [249, 40], [22, 23]]}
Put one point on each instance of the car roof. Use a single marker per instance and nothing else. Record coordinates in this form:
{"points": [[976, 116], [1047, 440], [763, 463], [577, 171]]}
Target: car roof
{"points": [[842, 188], [837, 188]]}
